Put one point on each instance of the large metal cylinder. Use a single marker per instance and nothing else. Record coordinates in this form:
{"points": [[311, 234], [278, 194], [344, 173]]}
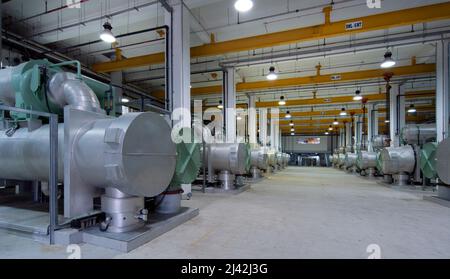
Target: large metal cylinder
{"points": [[443, 161], [367, 160], [7, 93], [259, 159], [350, 160], [398, 160], [418, 134], [380, 141], [230, 157], [133, 153]]}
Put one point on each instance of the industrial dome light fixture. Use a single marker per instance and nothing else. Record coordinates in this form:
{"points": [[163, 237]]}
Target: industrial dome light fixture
{"points": [[125, 100], [387, 121], [243, 5], [288, 115], [106, 35], [291, 124], [357, 96], [388, 61], [292, 134], [331, 128], [220, 105], [343, 112], [327, 133], [335, 122], [292, 130], [282, 102], [412, 109], [272, 75]]}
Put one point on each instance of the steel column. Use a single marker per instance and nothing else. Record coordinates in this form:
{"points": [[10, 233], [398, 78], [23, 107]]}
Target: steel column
{"points": [[442, 89], [397, 113], [229, 91]]}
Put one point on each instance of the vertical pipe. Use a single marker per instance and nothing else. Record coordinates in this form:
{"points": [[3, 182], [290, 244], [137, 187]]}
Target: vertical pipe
{"points": [[442, 89], [53, 177]]}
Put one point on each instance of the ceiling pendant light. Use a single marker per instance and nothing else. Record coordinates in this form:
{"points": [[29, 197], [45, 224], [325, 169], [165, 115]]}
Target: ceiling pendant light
{"points": [[343, 112], [106, 35], [331, 128], [272, 75], [292, 134], [288, 115], [282, 102], [357, 96], [412, 109], [388, 61], [220, 106], [326, 133], [335, 122], [291, 124], [292, 130], [243, 6]]}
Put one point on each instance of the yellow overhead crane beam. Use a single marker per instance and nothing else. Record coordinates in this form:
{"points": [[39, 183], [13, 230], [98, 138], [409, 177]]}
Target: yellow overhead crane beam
{"points": [[329, 29]]}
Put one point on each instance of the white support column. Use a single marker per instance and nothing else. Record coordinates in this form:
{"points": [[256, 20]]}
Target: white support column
{"points": [[274, 128], [117, 79], [397, 113], [252, 130], [348, 135], [442, 89], [263, 126], [371, 110], [180, 71], [358, 132], [230, 104], [180, 60]]}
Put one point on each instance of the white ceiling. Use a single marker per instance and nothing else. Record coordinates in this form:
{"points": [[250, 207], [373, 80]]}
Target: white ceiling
{"points": [[220, 18]]}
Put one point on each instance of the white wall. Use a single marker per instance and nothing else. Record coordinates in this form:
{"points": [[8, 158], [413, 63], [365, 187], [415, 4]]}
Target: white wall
{"points": [[291, 144]]}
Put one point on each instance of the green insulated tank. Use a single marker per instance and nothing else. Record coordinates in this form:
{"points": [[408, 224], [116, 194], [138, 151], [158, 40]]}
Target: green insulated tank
{"points": [[248, 161], [188, 163], [379, 162], [428, 160]]}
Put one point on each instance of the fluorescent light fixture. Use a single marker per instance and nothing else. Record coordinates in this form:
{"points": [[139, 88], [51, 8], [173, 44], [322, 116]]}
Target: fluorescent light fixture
{"points": [[243, 5], [288, 115], [125, 100], [106, 35], [357, 96], [412, 109], [387, 121], [272, 75], [388, 61], [343, 112], [335, 122], [282, 102], [220, 105]]}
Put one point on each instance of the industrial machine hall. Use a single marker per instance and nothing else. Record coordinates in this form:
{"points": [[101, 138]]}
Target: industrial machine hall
{"points": [[225, 129]]}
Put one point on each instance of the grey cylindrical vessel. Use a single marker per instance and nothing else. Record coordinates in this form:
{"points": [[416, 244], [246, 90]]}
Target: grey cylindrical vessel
{"points": [[415, 134], [380, 141], [259, 159], [133, 153], [350, 160], [397, 160], [7, 93], [367, 160], [443, 162], [228, 157]]}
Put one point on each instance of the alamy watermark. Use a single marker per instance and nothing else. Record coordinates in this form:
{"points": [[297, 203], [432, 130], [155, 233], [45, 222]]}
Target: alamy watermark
{"points": [[374, 251], [73, 4]]}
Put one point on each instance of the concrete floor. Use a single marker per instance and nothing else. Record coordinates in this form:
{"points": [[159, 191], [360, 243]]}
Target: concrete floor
{"points": [[297, 213]]}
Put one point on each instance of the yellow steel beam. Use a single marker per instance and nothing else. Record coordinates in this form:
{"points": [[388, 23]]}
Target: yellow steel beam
{"points": [[327, 30], [341, 99]]}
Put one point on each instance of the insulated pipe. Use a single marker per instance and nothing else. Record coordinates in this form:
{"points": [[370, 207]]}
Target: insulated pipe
{"points": [[418, 134], [66, 89], [350, 160]]}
